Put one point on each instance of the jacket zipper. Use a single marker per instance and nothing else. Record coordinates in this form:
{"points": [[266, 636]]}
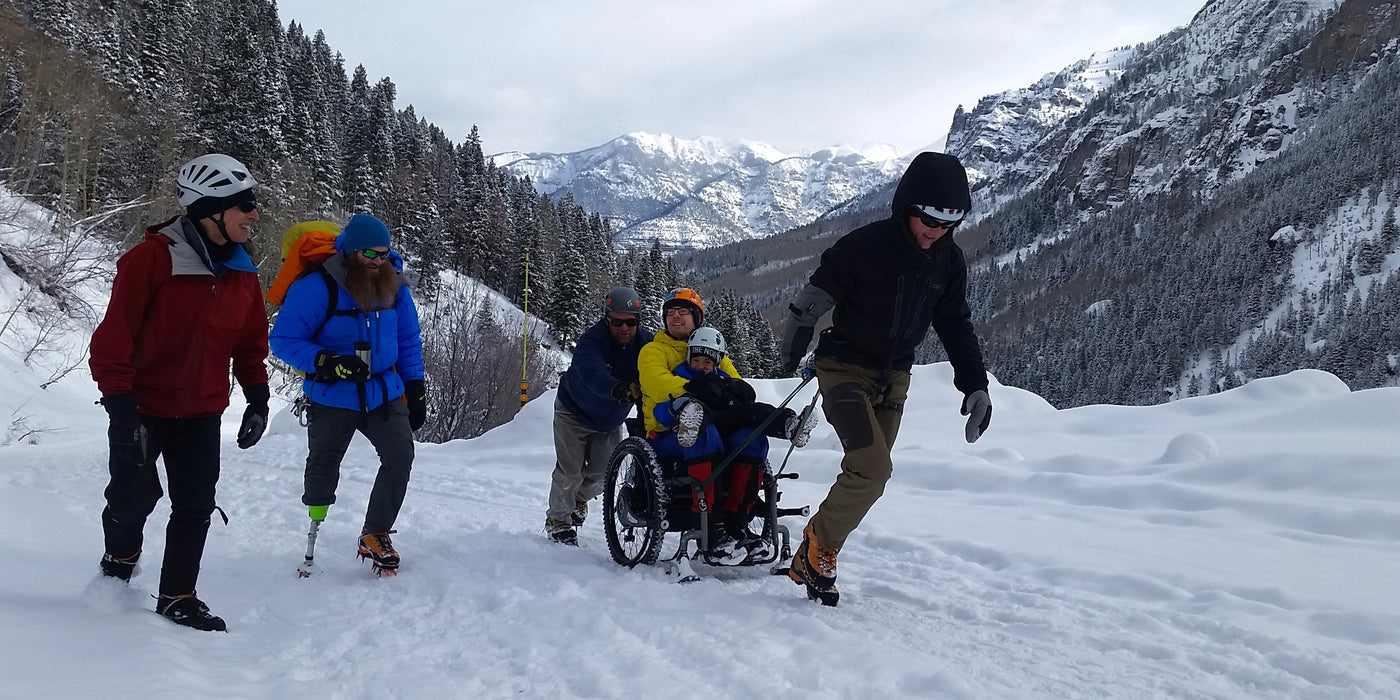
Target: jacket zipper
{"points": [[898, 306]]}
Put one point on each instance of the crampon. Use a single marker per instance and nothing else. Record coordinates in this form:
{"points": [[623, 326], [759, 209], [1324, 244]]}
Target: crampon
{"points": [[376, 547]]}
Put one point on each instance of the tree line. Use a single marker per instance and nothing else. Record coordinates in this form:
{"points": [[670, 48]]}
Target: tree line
{"points": [[100, 100]]}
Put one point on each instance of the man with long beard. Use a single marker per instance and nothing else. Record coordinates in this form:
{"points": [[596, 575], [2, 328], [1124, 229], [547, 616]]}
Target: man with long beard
{"points": [[353, 329]]}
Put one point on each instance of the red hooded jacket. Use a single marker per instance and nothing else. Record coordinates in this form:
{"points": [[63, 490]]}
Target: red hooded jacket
{"points": [[173, 326]]}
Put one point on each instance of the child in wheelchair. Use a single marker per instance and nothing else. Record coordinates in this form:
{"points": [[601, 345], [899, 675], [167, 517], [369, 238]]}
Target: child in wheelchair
{"points": [[715, 415]]}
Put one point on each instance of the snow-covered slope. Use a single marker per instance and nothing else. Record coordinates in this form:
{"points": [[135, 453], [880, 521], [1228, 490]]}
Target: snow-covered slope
{"points": [[704, 192], [1241, 545]]}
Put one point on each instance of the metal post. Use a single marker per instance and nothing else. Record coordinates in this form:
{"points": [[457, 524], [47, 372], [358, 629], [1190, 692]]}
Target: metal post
{"points": [[525, 339]]}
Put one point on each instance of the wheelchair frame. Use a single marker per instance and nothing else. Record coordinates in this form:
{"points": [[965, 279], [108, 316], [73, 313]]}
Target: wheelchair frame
{"points": [[643, 504]]}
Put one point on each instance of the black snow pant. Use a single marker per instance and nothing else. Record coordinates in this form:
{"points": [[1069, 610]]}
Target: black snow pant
{"points": [[190, 449], [328, 436]]}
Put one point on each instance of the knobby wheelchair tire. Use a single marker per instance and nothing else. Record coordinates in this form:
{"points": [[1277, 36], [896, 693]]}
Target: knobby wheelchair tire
{"points": [[634, 504]]}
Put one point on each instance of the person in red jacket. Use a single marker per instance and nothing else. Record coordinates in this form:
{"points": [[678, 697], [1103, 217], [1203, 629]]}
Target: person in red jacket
{"points": [[185, 303]]}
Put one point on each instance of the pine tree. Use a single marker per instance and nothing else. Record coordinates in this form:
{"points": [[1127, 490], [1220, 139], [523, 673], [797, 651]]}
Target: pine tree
{"points": [[1390, 233], [359, 185], [55, 19], [572, 307]]}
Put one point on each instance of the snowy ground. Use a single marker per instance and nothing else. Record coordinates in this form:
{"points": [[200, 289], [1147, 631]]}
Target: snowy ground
{"points": [[1242, 545]]}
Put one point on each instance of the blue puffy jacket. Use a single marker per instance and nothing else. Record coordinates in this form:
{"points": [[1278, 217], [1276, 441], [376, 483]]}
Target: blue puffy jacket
{"points": [[599, 363], [396, 342]]}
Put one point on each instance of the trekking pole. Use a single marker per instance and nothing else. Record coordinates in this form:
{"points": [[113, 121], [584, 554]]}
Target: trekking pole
{"points": [[757, 431], [304, 571]]}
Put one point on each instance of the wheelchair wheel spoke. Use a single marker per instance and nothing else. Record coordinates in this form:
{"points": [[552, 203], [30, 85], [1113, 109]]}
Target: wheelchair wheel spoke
{"points": [[631, 492]]}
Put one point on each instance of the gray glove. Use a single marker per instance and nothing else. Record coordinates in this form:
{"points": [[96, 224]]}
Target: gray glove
{"points": [[977, 406]]}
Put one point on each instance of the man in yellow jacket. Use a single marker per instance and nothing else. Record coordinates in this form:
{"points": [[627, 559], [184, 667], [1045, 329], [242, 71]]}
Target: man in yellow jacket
{"points": [[682, 312]]}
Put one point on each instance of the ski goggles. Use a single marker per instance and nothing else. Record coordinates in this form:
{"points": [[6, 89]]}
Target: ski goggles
{"points": [[372, 254]]}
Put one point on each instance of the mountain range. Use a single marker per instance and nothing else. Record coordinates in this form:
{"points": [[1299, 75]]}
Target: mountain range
{"points": [[704, 192]]}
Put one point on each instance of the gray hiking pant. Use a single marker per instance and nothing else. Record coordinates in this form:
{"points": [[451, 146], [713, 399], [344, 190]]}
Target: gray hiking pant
{"points": [[865, 409], [580, 461], [328, 435]]}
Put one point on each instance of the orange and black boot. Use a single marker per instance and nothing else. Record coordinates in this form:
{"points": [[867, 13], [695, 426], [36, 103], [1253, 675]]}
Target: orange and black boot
{"points": [[814, 566], [377, 547]]}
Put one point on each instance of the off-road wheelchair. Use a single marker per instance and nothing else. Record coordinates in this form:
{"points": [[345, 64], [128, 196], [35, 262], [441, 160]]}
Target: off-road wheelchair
{"points": [[646, 496]]}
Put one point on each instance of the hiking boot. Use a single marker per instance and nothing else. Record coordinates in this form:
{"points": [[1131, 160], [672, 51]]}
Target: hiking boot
{"points": [[689, 420], [561, 531], [580, 513], [189, 611], [377, 547], [119, 568], [815, 567], [758, 549], [727, 550], [799, 427]]}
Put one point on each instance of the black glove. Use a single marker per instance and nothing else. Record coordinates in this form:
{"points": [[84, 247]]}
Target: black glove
{"points": [[254, 417], [415, 392], [977, 406], [624, 392], [709, 389], [121, 408], [739, 392], [331, 367], [125, 427]]}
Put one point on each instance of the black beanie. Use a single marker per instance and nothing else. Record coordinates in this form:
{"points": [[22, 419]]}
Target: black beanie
{"points": [[208, 206]]}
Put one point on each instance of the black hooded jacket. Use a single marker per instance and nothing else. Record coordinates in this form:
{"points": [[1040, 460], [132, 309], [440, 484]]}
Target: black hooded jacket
{"points": [[888, 292]]}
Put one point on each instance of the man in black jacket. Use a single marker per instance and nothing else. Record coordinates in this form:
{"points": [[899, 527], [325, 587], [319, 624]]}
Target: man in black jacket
{"points": [[889, 282]]}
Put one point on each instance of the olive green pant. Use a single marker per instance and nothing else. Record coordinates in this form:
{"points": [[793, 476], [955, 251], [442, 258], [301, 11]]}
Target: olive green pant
{"points": [[864, 408]]}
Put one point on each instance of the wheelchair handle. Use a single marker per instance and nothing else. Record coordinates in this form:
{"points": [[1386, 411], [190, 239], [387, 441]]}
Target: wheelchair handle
{"points": [[804, 511]]}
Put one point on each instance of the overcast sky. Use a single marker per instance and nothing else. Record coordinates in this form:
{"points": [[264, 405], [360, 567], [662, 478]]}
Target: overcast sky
{"points": [[561, 75]]}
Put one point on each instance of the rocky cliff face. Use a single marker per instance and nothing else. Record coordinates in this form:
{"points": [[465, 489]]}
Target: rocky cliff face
{"points": [[1208, 102]]}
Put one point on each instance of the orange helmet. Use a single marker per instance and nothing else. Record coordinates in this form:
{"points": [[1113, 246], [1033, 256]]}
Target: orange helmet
{"points": [[683, 297]]}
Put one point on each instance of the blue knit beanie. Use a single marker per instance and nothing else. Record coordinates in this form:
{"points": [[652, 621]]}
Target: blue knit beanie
{"points": [[363, 231]]}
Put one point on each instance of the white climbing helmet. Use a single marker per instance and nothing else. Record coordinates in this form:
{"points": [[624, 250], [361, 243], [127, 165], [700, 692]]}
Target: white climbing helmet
{"points": [[213, 175], [709, 342]]}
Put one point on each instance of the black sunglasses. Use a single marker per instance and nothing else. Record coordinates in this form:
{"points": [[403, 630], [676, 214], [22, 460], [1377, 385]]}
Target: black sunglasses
{"points": [[620, 322], [248, 206], [371, 254], [931, 222]]}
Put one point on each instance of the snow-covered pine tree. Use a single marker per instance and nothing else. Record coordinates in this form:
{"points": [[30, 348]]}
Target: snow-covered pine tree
{"points": [[356, 152], [574, 307]]}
